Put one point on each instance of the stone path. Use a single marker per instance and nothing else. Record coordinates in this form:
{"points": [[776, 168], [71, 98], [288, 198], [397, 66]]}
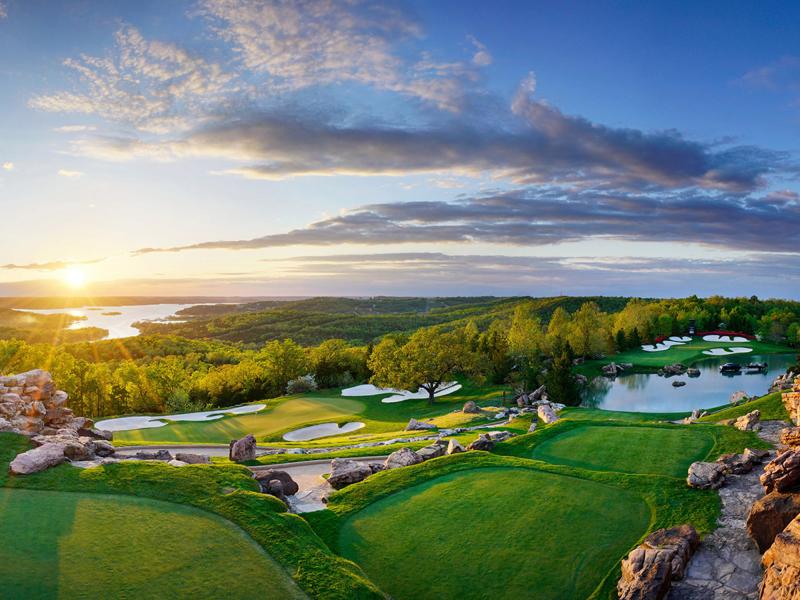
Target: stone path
{"points": [[727, 566]]}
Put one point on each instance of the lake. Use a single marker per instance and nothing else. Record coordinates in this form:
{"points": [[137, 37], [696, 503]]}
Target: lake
{"points": [[118, 320], [651, 393]]}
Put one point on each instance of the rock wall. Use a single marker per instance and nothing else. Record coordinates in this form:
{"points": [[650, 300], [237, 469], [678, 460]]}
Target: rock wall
{"points": [[791, 400], [782, 565]]}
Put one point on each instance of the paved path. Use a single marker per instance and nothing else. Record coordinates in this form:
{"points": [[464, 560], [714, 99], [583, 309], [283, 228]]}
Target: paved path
{"points": [[207, 449], [727, 565]]}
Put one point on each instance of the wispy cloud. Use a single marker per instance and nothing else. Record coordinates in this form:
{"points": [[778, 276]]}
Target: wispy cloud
{"points": [[779, 74], [70, 174], [56, 265], [3, 10], [74, 128]]}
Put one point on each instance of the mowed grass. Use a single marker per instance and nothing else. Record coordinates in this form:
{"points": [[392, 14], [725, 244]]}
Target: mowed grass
{"points": [[646, 450], [77, 545], [770, 406], [287, 413], [495, 533]]}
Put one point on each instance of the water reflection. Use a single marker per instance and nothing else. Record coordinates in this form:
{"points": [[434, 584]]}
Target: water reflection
{"points": [[651, 393]]}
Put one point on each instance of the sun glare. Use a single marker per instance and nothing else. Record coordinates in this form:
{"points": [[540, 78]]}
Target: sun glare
{"points": [[75, 277]]}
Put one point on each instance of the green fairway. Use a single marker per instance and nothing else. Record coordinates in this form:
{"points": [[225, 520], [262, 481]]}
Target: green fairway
{"points": [[647, 450], [280, 415], [495, 533], [770, 406], [74, 545]]}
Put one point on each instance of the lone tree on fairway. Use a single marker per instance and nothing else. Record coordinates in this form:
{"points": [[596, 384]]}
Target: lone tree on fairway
{"points": [[428, 360]]}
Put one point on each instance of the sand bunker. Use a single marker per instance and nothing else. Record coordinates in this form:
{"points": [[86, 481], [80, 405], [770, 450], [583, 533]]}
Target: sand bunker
{"points": [[725, 338], [681, 338], [661, 346], [312, 432], [724, 352], [398, 395], [128, 423]]}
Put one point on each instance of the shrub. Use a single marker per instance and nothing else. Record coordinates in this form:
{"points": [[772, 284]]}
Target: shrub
{"points": [[306, 383]]}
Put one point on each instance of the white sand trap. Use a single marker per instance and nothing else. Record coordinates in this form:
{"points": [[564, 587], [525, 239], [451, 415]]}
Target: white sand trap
{"points": [[724, 352], [312, 432], [661, 346], [725, 338], [681, 338], [398, 395], [368, 390], [128, 423]]}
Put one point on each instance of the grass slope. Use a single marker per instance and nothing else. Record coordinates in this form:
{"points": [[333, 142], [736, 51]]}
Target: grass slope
{"points": [[92, 546], [771, 408], [425, 541]]}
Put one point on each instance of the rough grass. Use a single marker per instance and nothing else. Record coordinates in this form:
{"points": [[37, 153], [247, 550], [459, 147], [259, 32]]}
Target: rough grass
{"points": [[227, 491], [425, 541], [771, 408], [654, 450], [76, 545]]}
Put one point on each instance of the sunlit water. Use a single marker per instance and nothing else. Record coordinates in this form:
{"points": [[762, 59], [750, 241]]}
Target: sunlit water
{"points": [[118, 325], [651, 393]]}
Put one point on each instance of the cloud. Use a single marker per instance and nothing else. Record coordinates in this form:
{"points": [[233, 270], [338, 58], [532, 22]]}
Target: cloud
{"points": [[534, 217], [781, 74], [74, 128], [151, 85], [482, 57], [3, 10], [70, 174], [56, 265], [8, 166]]}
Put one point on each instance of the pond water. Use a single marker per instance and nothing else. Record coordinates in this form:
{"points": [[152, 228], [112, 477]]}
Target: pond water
{"points": [[118, 320], [651, 393], [312, 432]]}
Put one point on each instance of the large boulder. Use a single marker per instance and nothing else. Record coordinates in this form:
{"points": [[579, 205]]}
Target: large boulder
{"points": [[649, 570], [405, 457], [744, 462], [791, 437], [791, 400], [749, 422], [782, 565], [484, 442], [454, 447], [738, 397], [345, 472], [414, 425], [192, 459], [500, 436], [289, 486], [547, 413], [471, 408], [38, 459], [162, 455], [769, 516], [243, 450], [783, 473], [104, 449], [96, 434], [435, 450], [706, 475]]}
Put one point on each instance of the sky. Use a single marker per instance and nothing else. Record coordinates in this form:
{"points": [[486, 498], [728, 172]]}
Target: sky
{"points": [[320, 147]]}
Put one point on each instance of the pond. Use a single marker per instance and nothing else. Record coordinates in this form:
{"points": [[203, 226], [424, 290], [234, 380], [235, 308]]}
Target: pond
{"points": [[650, 393], [118, 320]]}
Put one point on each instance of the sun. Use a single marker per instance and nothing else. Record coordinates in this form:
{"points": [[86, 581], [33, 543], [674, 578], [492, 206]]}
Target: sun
{"points": [[75, 277]]}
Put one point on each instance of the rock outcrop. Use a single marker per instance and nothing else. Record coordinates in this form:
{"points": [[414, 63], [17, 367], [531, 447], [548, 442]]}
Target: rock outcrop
{"points": [[783, 473], [277, 483], [739, 464], [38, 459], [547, 413], [649, 570], [454, 447], [435, 450], [790, 437], [414, 425], [405, 457], [749, 422], [769, 516], [471, 408], [706, 475], [345, 472], [484, 442], [243, 450], [192, 459], [782, 565], [791, 400], [162, 455]]}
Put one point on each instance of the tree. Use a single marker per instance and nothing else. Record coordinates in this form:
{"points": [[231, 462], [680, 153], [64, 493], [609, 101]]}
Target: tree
{"points": [[283, 361], [526, 345], [560, 382], [428, 360], [586, 334]]}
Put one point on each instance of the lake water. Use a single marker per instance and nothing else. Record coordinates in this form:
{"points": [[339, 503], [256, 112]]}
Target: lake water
{"points": [[651, 393], [118, 325]]}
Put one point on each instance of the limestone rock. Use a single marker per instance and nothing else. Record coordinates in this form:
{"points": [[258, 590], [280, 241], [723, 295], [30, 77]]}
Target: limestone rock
{"points": [[404, 457], [162, 455], [749, 422], [532, 428], [454, 447], [471, 408], [743, 463], [345, 472], [192, 459], [706, 475], [414, 425], [783, 473], [97, 434], [782, 565], [500, 436], [484, 442], [435, 450], [289, 486], [791, 437], [243, 450], [648, 571], [177, 463], [547, 413], [103, 449], [738, 397], [791, 398], [38, 459], [769, 516]]}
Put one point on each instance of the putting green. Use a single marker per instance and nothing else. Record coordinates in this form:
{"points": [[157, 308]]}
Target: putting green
{"points": [[74, 545], [278, 416], [649, 450], [495, 533]]}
